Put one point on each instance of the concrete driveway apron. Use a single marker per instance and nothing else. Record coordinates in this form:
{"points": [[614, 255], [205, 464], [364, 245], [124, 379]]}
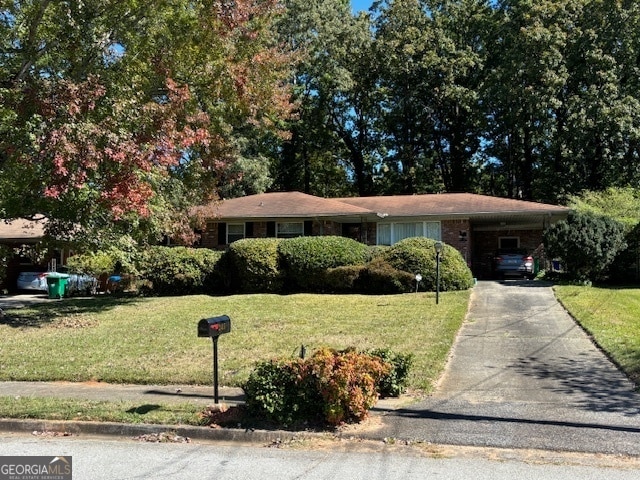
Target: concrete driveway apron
{"points": [[524, 375]]}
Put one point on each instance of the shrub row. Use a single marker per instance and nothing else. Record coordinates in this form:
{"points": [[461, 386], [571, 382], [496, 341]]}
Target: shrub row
{"points": [[340, 265], [328, 264], [331, 387], [157, 270]]}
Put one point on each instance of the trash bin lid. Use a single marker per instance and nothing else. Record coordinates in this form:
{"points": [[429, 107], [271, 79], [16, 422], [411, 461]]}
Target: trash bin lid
{"points": [[57, 275]]}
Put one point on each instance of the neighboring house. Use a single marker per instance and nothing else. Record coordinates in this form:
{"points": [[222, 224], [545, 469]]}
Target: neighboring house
{"points": [[477, 225], [19, 235]]}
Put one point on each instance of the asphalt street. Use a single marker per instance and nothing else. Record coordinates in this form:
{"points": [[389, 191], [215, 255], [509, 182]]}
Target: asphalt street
{"points": [[131, 459]]}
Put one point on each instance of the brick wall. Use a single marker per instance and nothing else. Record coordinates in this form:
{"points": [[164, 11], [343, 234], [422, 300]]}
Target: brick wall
{"points": [[209, 237], [457, 233], [477, 248]]}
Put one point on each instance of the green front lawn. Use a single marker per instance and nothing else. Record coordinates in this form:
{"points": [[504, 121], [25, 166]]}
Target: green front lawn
{"points": [[612, 317], [153, 340]]}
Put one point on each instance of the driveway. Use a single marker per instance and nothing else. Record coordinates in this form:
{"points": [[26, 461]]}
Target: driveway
{"points": [[23, 299], [524, 375]]}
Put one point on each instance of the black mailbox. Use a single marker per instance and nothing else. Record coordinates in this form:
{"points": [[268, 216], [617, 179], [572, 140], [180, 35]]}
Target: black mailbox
{"points": [[214, 327]]}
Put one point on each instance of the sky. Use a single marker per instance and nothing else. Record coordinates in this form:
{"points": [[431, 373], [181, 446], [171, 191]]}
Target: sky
{"points": [[358, 5]]}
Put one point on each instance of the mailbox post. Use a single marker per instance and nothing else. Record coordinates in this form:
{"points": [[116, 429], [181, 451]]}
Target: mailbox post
{"points": [[214, 327]]}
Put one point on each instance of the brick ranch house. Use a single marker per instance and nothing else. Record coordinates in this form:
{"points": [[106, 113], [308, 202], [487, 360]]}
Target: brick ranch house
{"points": [[477, 225]]}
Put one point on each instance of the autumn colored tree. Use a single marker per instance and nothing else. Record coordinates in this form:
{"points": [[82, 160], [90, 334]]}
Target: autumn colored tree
{"points": [[115, 116]]}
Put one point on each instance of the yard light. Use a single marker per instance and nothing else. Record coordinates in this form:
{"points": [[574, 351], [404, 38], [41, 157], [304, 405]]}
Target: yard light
{"points": [[418, 280], [438, 247]]}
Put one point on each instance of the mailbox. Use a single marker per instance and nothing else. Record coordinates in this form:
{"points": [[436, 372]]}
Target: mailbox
{"points": [[214, 327]]}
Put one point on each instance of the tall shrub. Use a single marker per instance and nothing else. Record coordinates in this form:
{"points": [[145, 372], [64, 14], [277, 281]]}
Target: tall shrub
{"points": [[254, 265], [178, 270], [586, 244], [305, 260]]}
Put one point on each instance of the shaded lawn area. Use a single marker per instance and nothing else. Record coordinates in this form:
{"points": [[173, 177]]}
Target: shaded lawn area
{"points": [[154, 340], [612, 316]]}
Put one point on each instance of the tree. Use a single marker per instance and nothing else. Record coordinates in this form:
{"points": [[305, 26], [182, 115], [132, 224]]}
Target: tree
{"points": [[116, 116], [330, 151], [405, 46], [620, 204], [526, 74], [562, 98], [587, 244], [431, 56], [461, 27]]}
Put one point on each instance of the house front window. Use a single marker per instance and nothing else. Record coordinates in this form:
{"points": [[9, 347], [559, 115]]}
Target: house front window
{"points": [[389, 233], [290, 229], [235, 231]]}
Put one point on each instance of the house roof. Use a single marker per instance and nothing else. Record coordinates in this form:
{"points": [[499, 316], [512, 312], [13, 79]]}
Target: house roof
{"points": [[445, 204], [280, 205], [301, 205], [21, 230]]}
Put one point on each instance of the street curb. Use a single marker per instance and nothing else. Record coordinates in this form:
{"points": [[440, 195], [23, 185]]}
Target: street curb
{"points": [[136, 430]]}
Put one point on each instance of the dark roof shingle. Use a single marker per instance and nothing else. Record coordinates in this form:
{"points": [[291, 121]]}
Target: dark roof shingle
{"points": [[279, 205], [449, 204], [297, 205]]}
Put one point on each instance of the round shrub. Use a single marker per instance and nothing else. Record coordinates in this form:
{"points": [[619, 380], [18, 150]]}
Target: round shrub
{"points": [[331, 386], [306, 259], [417, 255], [586, 243], [395, 382], [342, 279], [254, 265], [347, 381], [283, 392], [379, 277]]}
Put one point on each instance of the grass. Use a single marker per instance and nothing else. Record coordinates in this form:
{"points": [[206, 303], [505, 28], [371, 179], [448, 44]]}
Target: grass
{"points": [[612, 317], [84, 410], [154, 341]]}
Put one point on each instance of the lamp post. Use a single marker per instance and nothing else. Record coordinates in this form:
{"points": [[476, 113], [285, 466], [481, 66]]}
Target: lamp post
{"points": [[418, 280], [438, 246]]}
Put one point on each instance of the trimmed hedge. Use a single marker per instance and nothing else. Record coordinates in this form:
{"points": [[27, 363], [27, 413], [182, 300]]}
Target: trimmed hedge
{"points": [[305, 260], [178, 270], [342, 279], [268, 265], [379, 277], [254, 265], [417, 255]]}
